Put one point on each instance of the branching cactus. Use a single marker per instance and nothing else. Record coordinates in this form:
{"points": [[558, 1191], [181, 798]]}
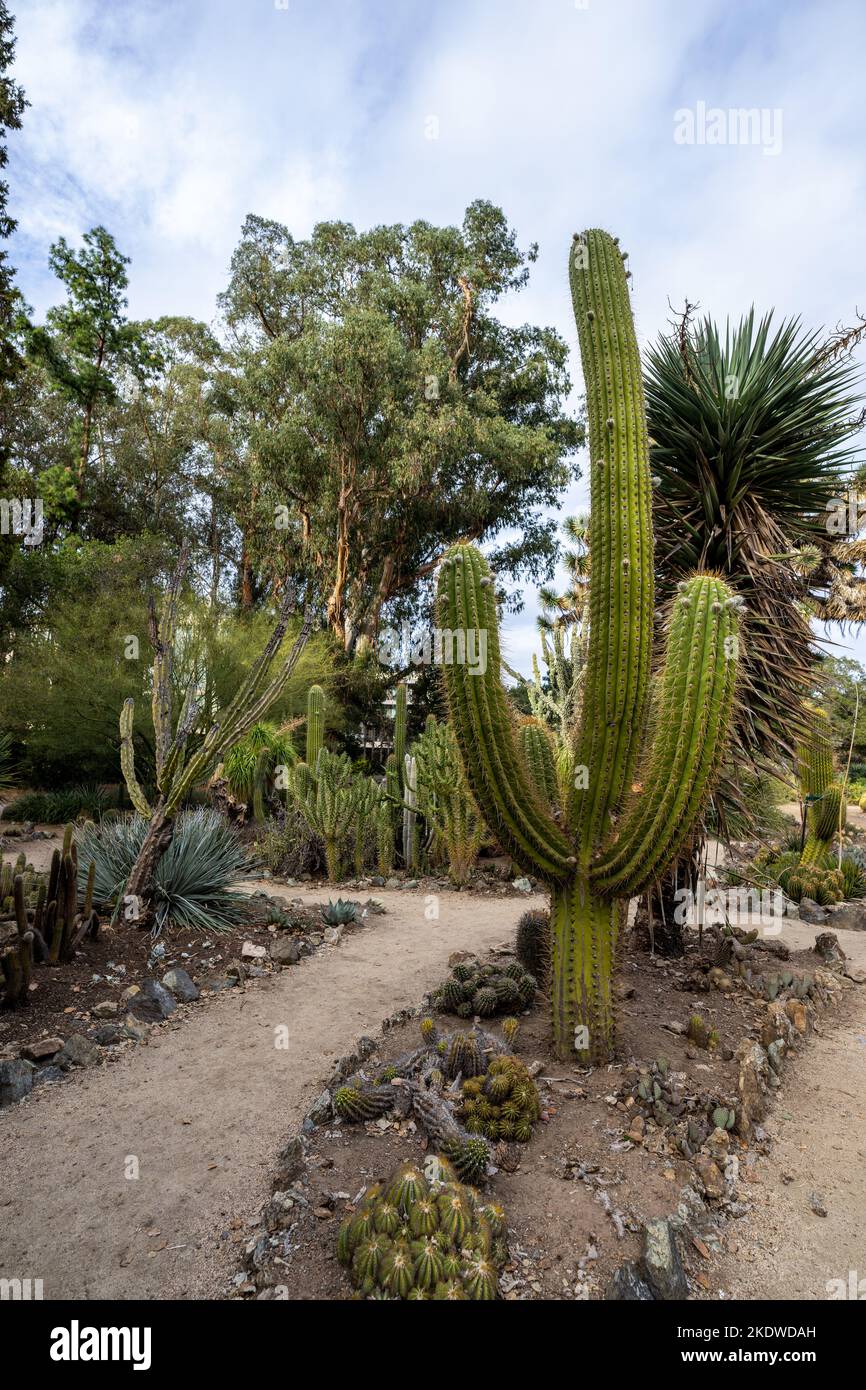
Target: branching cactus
{"points": [[639, 784], [823, 797], [176, 772], [445, 800]]}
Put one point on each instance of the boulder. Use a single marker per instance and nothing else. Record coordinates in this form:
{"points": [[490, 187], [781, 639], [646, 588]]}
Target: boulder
{"points": [[150, 1001], [810, 911], [710, 1176], [286, 950], [627, 1285], [42, 1048], [661, 1262], [106, 1008], [16, 1080], [79, 1051], [752, 1084], [180, 984], [851, 915]]}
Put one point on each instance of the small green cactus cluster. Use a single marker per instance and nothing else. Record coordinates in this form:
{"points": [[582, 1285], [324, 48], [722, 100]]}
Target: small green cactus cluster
{"points": [[485, 990], [724, 1117], [338, 913], [358, 1101], [424, 1237], [502, 1104], [796, 986], [461, 1056], [823, 886], [533, 944], [657, 1095], [853, 877], [48, 923], [700, 1033], [31, 882]]}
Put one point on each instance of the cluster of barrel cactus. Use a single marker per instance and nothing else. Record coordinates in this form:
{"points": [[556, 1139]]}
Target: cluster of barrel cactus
{"points": [[701, 1034], [823, 886], [503, 1103], [639, 785], [424, 1235], [360, 1101], [485, 990]]}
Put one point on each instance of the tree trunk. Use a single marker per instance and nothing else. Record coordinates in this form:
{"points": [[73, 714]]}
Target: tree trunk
{"points": [[584, 931], [140, 890]]}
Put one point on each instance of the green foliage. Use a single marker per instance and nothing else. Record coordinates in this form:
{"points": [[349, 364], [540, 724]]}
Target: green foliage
{"points": [[424, 1237], [252, 764], [193, 877], [7, 764], [355, 354], [56, 808], [653, 791]]}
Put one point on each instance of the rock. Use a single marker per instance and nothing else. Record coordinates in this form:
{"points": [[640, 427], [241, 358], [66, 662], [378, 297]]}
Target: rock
{"points": [[47, 1075], [151, 1001], [250, 951], [16, 1080], [522, 885], [850, 915], [42, 1048], [320, 1110], [286, 950], [710, 1176], [79, 1051], [811, 912], [291, 1161], [411, 883], [135, 1028], [776, 1024], [816, 1202], [661, 1263], [109, 1034], [828, 948], [776, 1054], [106, 1008], [628, 1286], [752, 1083], [854, 973], [375, 907], [332, 935], [181, 985], [796, 1011], [392, 882], [377, 881]]}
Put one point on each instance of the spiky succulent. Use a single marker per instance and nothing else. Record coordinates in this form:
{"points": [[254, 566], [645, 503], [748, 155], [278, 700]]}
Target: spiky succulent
{"points": [[503, 1104], [338, 913], [424, 1235], [357, 1103], [633, 803], [485, 990], [533, 943]]}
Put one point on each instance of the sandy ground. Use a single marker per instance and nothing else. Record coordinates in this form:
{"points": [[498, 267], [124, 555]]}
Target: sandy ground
{"points": [[201, 1111]]}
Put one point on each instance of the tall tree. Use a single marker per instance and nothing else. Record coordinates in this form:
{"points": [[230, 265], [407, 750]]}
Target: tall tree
{"points": [[387, 411], [12, 104], [87, 342]]}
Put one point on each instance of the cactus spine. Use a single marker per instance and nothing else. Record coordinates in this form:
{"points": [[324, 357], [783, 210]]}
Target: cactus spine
{"points": [[614, 838]]}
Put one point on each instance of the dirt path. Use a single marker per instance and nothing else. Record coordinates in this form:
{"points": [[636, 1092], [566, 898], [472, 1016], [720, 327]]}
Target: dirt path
{"points": [[202, 1110], [784, 1249]]}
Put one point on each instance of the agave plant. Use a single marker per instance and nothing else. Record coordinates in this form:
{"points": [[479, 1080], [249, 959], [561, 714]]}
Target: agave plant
{"points": [[251, 765], [339, 913], [751, 445], [193, 877]]}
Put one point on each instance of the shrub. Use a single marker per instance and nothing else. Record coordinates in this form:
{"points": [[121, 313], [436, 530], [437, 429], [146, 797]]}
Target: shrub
{"points": [[59, 807], [193, 877]]}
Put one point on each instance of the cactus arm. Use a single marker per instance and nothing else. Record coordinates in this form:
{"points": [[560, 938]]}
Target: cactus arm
{"points": [[621, 585], [315, 723], [400, 715], [824, 800], [696, 699], [538, 754], [483, 724], [127, 760]]}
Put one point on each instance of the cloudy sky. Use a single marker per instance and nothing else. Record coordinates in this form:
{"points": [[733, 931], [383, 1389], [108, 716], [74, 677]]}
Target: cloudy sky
{"points": [[169, 120]]}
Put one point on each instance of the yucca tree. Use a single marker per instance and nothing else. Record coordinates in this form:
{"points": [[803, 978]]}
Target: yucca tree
{"points": [[252, 764], [751, 443]]}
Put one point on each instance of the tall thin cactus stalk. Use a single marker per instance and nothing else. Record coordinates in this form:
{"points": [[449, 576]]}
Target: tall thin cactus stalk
{"points": [[410, 810], [634, 798], [315, 723], [175, 773], [823, 798]]}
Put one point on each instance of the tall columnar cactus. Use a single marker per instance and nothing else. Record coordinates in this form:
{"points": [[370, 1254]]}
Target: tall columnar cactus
{"points": [[445, 800], [634, 799], [537, 749], [823, 797], [176, 773], [315, 723], [400, 718], [410, 810], [327, 799]]}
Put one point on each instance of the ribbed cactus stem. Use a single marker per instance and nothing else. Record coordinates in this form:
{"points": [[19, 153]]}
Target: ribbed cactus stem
{"points": [[400, 716], [824, 800], [315, 723], [619, 834], [537, 749], [410, 814]]}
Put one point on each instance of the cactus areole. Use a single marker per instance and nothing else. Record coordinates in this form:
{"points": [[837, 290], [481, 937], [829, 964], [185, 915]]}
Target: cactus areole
{"points": [[639, 785]]}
